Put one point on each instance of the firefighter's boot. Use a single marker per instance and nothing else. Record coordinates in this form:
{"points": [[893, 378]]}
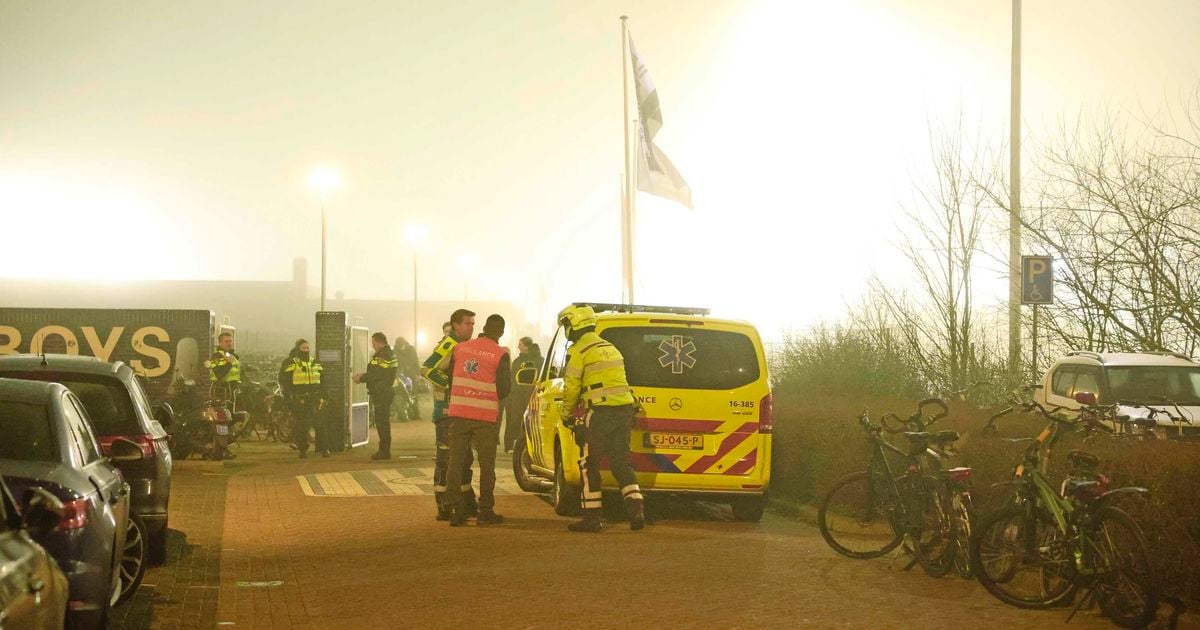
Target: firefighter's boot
{"points": [[469, 506], [591, 522], [443, 513], [636, 510], [458, 517]]}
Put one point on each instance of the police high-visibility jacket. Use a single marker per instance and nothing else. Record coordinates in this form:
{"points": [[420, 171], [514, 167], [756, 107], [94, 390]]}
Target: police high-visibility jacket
{"points": [[475, 379], [224, 366], [301, 375], [381, 374], [595, 374]]}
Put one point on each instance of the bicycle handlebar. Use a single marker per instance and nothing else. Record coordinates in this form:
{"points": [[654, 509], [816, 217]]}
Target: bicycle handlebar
{"points": [[937, 402], [883, 422]]}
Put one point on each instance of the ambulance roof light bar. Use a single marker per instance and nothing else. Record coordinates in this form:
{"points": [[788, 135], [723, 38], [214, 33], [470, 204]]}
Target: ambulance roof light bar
{"points": [[601, 307]]}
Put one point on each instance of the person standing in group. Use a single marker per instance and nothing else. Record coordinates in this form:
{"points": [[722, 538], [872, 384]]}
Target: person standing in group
{"points": [[461, 328], [300, 381], [225, 369], [595, 376], [408, 371], [380, 374], [528, 356], [480, 377], [225, 377]]}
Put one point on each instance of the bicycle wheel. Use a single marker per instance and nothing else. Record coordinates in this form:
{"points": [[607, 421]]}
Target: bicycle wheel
{"points": [[930, 526], [962, 513], [282, 422], [1021, 557], [857, 517], [1125, 585]]}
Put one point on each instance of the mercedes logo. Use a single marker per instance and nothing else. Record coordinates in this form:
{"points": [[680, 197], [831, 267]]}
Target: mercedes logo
{"points": [[676, 404]]}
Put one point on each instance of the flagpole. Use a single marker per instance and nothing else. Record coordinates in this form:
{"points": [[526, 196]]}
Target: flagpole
{"points": [[627, 198]]}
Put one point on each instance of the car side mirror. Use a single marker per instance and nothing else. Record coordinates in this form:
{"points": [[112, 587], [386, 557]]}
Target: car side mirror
{"points": [[164, 414], [123, 450], [1085, 398], [526, 376], [41, 511]]}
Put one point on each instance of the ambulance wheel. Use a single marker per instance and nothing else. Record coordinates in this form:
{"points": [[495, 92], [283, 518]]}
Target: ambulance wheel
{"points": [[524, 476], [566, 496], [749, 509]]}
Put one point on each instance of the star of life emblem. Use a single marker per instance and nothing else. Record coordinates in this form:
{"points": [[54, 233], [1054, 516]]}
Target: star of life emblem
{"points": [[471, 366], [677, 354]]}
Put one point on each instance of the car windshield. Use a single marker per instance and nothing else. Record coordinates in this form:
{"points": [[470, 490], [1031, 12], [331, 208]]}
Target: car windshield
{"points": [[1144, 383], [27, 433], [685, 359], [104, 397]]}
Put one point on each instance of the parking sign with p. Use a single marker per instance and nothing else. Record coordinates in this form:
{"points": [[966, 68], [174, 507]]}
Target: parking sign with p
{"points": [[1037, 280]]}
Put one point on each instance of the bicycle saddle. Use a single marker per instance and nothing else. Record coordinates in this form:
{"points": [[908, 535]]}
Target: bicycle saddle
{"points": [[941, 437], [1082, 459]]}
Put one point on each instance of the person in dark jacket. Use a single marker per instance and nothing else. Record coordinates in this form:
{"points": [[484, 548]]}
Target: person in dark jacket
{"points": [[300, 382], [529, 355], [408, 369], [379, 377]]}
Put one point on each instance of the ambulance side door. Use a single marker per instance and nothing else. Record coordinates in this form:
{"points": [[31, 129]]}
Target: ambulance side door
{"points": [[549, 400]]}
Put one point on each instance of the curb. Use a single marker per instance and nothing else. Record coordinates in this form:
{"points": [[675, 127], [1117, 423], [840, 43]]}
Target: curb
{"points": [[793, 508]]}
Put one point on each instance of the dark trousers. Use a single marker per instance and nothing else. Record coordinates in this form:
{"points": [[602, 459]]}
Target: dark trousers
{"points": [[514, 415], [442, 462], [382, 408], [464, 436], [606, 434], [304, 412]]}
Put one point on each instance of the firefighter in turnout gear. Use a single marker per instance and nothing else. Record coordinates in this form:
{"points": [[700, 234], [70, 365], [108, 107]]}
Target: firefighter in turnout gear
{"points": [[462, 327], [300, 380], [379, 377], [480, 377], [595, 377]]}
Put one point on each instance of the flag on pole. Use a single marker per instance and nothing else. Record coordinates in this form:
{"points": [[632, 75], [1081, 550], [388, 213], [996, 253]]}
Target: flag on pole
{"points": [[655, 173]]}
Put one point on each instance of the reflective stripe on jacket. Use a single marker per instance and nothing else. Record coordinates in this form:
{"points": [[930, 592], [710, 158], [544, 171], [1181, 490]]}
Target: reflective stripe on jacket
{"points": [[473, 392], [224, 367], [303, 373], [595, 374]]}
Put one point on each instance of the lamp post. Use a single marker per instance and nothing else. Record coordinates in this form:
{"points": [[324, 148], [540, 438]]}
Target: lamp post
{"points": [[325, 179], [466, 264], [416, 235]]}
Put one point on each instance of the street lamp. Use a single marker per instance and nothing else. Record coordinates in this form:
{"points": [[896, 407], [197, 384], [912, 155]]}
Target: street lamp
{"points": [[416, 235], [325, 179], [466, 264]]}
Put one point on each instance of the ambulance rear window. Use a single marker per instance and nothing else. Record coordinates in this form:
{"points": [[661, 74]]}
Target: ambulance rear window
{"points": [[682, 358]]}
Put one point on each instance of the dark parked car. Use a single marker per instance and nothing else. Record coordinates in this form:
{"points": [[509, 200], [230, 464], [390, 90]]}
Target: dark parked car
{"points": [[48, 443], [33, 590], [118, 408]]}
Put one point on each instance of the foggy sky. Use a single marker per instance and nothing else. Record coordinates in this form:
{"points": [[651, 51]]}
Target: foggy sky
{"points": [[175, 137]]}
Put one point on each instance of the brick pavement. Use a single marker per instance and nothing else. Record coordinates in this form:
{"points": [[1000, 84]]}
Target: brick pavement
{"points": [[260, 554]]}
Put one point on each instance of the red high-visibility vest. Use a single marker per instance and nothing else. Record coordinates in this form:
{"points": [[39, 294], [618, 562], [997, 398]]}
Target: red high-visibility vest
{"points": [[473, 392]]}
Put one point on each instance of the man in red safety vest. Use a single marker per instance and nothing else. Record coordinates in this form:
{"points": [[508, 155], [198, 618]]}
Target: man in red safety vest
{"points": [[480, 377]]}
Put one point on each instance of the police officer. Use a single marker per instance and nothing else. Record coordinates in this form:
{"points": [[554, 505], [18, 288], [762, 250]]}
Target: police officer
{"points": [[225, 369], [595, 376], [300, 380], [379, 377], [225, 376], [462, 326], [480, 377]]}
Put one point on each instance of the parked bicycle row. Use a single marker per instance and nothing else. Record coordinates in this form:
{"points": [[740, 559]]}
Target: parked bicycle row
{"points": [[1050, 542]]}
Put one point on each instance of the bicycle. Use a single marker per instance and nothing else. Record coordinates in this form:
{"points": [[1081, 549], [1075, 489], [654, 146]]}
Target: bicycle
{"points": [[1041, 548], [870, 513]]}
